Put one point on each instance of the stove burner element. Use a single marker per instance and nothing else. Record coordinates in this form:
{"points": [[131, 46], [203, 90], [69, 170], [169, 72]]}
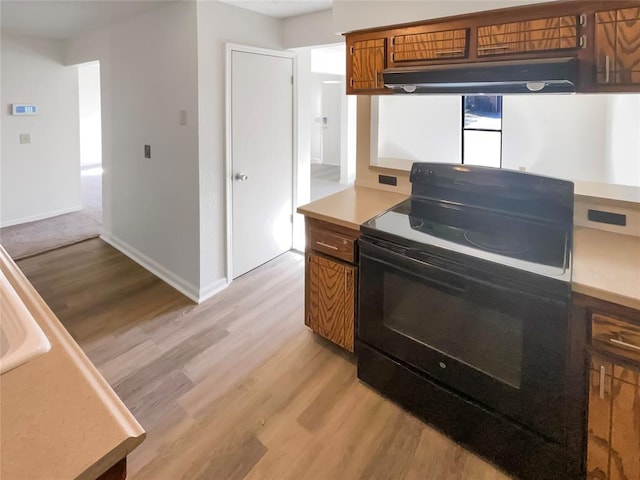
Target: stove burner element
{"points": [[503, 243]]}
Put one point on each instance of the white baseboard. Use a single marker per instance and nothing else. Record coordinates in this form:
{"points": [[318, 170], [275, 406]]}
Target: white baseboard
{"points": [[213, 289], [42, 216], [177, 282]]}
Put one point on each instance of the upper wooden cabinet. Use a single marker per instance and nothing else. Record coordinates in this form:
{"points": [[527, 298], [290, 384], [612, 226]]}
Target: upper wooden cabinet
{"points": [[553, 33], [618, 47], [606, 43], [367, 60]]}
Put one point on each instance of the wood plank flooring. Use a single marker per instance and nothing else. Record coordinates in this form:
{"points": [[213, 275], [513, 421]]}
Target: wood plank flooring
{"points": [[237, 387]]}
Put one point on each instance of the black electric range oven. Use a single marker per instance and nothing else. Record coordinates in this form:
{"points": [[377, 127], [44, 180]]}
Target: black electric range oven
{"points": [[464, 307]]}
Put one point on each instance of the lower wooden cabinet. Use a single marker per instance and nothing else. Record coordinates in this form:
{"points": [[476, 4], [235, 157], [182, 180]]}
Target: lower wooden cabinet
{"points": [[613, 432], [331, 280], [331, 300]]}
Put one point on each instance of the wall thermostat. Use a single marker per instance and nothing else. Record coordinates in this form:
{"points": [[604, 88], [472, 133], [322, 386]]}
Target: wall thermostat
{"points": [[25, 109]]}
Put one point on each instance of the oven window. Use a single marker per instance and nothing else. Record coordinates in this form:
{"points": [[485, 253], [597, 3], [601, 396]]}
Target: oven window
{"points": [[479, 336]]}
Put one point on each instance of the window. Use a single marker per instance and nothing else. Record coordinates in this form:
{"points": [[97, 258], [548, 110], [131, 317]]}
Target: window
{"points": [[482, 130]]}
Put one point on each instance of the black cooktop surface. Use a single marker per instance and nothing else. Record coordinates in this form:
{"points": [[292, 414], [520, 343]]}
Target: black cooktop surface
{"points": [[539, 248]]}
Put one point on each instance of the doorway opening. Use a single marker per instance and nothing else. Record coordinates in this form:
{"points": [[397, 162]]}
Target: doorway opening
{"points": [[332, 170], [90, 138]]}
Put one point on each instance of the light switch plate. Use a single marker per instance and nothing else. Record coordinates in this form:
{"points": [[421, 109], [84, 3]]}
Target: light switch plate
{"points": [[25, 138]]}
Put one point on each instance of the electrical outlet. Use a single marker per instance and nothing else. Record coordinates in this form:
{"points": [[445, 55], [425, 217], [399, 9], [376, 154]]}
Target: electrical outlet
{"points": [[147, 151], [25, 138]]}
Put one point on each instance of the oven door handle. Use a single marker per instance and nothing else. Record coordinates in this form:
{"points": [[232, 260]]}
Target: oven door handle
{"points": [[462, 283], [450, 285]]}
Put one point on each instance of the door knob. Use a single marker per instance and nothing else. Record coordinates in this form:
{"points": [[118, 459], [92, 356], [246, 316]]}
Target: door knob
{"points": [[241, 177]]}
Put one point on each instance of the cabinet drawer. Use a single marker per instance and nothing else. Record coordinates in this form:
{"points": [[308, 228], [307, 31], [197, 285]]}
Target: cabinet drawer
{"points": [[616, 335], [332, 243], [553, 33], [430, 45]]}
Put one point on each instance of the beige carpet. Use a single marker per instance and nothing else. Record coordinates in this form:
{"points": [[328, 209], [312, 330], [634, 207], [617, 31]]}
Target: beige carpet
{"points": [[32, 238], [29, 239]]}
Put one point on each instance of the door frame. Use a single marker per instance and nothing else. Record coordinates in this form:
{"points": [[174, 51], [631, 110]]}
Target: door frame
{"points": [[228, 171]]}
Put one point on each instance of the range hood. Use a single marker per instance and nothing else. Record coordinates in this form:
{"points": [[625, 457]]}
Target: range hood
{"points": [[550, 75]]}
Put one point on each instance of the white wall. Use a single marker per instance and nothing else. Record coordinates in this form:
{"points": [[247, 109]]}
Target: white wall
{"points": [[149, 73], [219, 23], [349, 15], [310, 30], [154, 65], [557, 135], [587, 138], [420, 128], [40, 179], [90, 126], [622, 160]]}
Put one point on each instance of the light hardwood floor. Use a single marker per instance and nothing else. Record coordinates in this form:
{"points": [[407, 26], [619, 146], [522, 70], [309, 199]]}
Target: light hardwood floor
{"points": [[237, 387]]}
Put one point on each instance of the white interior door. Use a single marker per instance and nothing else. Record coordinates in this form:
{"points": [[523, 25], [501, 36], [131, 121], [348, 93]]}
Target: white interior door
{"points": [[261, 158], [331, 122]]}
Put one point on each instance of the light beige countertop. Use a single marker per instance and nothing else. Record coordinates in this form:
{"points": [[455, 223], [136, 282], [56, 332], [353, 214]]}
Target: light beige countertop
{"points": [[60, 419], [607, 266], [352, 207]]}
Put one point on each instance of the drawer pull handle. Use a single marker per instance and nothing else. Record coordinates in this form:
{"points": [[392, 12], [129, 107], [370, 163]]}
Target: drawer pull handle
{"points": [[602, 379], [492, 48], [449, 52], [326, 245], [621, 343]]}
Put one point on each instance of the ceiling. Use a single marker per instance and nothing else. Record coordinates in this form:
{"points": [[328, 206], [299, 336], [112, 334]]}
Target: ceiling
{"points": [[67, 18], [282, 8]]}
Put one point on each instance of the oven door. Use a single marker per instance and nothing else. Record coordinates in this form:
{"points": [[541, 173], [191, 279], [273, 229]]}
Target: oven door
{"points": [[490, 341]]}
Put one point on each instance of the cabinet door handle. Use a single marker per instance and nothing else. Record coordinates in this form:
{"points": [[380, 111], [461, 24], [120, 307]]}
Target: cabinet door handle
{"points": [[607, 69], [624, 344], [376, 73], [583, 19], [583, 41], [326, 245], [603, 372]]}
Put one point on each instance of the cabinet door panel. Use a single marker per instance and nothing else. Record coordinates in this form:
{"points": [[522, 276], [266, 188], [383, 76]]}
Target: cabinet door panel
{"points": [[625, 431], [332, 300], [599, 421], [327, 289], [618, 46], [554, 33], [628, 46], [367, 64], [430, 46]]}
